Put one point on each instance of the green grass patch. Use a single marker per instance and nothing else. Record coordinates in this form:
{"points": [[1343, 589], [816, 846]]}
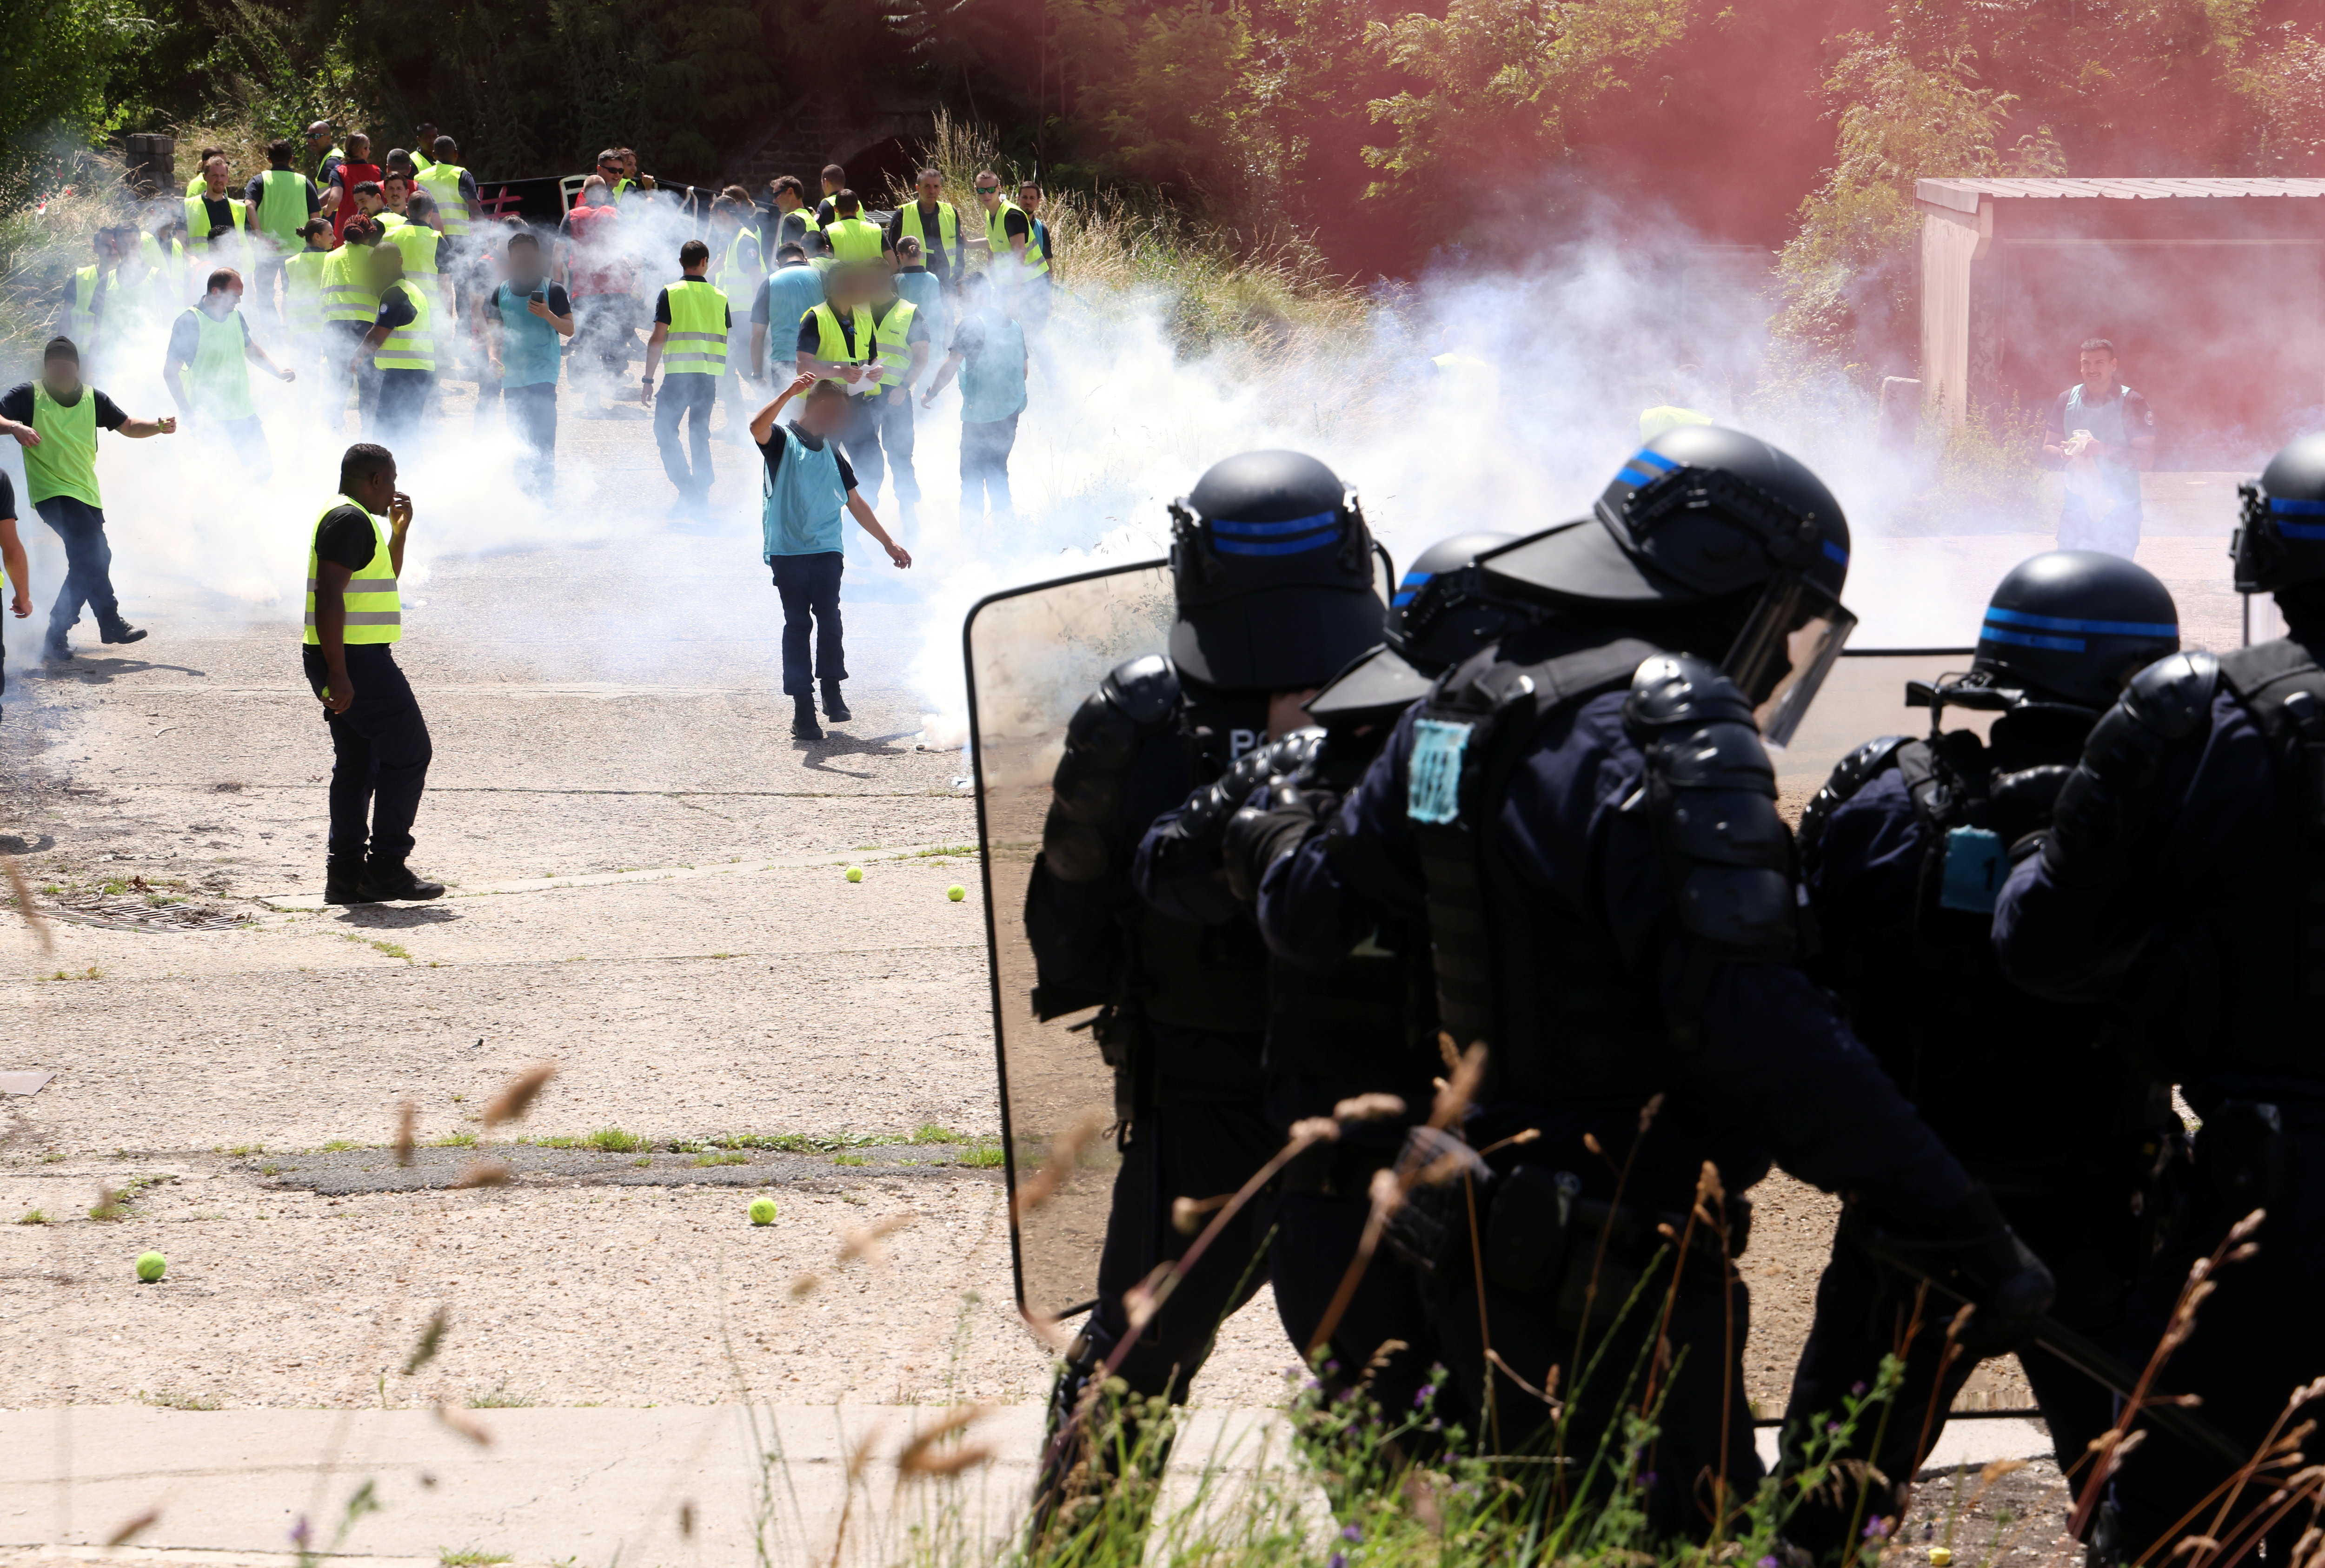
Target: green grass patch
{"points": [[467, 1558], [34, 1217], [462, 1139], [849, 1159], [499, 1399], [702, 1160], [982, 1157], [340, 1146], [170, 1399], [795, 1142], [614, 1140]]}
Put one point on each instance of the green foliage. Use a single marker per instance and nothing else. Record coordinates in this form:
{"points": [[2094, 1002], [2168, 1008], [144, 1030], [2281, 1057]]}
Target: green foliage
{"points": [[57, 64]]}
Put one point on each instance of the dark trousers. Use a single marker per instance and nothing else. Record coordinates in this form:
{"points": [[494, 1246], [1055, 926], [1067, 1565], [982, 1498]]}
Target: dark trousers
{"points": [[2091, 1239], [248, 439], [2258, 1336], [1196, 1150], [380, 755], [603, 338], [532, 413], [403, 403], [690, 397], [881, 442], [88, 569], [860, 439], [810, 586], [985, 447], [344, 356]]}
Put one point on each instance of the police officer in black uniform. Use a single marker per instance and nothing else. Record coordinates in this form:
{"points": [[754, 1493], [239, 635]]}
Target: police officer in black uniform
{"points": [[1367, 1024], [2184, 876], [1584, 818], [1273, 568], [2057, 1108]]}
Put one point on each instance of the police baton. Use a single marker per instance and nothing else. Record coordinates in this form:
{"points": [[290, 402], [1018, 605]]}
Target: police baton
{"points": [[2075, 1350]]}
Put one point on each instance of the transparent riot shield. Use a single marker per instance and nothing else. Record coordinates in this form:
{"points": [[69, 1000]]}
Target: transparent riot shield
{"points": [[1033, 655], [1865, 697]]}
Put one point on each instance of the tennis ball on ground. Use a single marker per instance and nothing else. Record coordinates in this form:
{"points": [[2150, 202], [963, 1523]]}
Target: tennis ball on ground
{"points": [[1940, 1557], [854, 873], [762, 1210], [150, 1266], [956, 892]]}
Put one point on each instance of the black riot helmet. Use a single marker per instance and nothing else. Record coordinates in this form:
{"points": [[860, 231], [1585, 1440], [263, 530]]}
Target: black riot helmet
{"points": [[1701, 513], [2280, 540], [1438, 617], [1274, 569], [2072, 626]]}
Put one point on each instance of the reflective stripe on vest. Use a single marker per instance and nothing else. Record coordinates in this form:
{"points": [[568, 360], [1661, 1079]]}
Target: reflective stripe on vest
{"points": [[948, 228], [408, 347], [696, 344], [375, 609], [303, 289], [443, 182], [852, 239], [417, 241], [996, 236], [734, 277], [283, 205], [832, 346], [889, 337], [347, 293], [219, 376]]}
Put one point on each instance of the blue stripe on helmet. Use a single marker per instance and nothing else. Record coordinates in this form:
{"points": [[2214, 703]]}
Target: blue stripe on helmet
{"points": [[1645, 468], [2301, 530], [1834, 553], [1414, 578], [1403, 597], [2298, 508], [2091, 628], [1235, 530], [2024, 640], [1314, 541], [1654, 459]]}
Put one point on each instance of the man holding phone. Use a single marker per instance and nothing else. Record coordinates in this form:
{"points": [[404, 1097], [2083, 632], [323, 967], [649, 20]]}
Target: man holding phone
{"points": [[526, 322], [379, 740]]}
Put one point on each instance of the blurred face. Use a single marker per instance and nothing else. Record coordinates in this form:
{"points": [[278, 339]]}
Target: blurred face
{"points": [[525, 265], [386, 264], [989, 191], [2098, 367], [222, 302], [825, 413], [61, 376], [931, 186]]}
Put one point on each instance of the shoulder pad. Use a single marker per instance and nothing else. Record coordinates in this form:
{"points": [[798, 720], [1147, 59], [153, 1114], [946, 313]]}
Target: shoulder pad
{"points": [[1679, 689], [1147, 689], [1853, 773], [2173, 695]]}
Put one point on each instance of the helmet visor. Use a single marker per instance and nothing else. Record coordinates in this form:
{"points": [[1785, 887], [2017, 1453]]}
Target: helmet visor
{"points": [[1784, 652]]}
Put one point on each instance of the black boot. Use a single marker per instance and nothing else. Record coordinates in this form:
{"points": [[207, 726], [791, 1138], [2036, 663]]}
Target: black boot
{"points": [[125, 632], [835, 708], [342, 880], [383, 881], [803, 724]]}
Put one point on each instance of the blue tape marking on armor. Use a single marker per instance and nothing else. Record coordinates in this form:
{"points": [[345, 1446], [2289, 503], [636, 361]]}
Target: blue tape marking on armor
{"points": [[2301, 530], [1993, 633], [1314, 541], [1976, 868], [1833, 552], [2298, 508], [1410, 589], [1432, 787], [1235, 530], [2092, 628]]}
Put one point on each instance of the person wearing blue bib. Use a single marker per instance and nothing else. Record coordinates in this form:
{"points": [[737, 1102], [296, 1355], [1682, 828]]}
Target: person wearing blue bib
{"points": [[527, 321], [808, 484], [988, 352]]}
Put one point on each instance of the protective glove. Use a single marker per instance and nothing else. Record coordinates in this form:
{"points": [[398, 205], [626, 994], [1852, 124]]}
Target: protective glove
{"points": [[1259, 835]]}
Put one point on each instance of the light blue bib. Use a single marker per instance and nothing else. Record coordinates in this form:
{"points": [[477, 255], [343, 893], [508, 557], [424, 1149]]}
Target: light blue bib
{"points": [[800, 515]]}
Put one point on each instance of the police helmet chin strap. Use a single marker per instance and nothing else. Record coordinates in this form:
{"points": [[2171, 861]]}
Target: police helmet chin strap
{"points": [[1354, 536]]}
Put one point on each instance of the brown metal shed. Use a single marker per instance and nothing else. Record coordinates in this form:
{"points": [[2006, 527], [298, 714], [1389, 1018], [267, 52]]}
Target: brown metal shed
{"points": [[2213, 291]]}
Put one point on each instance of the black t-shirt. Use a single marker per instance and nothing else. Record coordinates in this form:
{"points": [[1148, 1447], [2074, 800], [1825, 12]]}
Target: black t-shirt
{"points": [[186, 336], [810, 333], [918, 332], [17, 405], [221, 215], [7, 498], [774, 448], [661, 310], [825, 212], [395, 310], [1014, 223], [347, 538]]}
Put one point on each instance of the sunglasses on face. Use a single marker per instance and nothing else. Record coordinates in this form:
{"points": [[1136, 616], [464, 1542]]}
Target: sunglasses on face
{"points": [[988, 190]]}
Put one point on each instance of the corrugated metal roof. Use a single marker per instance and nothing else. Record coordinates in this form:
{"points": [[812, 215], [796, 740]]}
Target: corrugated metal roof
{"points": [[1962, 195]]}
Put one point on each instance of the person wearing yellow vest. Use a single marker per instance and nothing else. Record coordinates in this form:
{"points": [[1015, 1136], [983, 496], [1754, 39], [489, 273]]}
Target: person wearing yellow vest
{"points": [[451, 188], [201, 169], [423, 137], [207, 369], [827, 208], [302, 294], [350, 308], [935, 223], [86, 289], [1007, 230], [380, 748], [692, 322], [736, 270], [1033, 310], [791, 220], [401, 341], [900, 343], [849, 235], [422, 241], [65, 415], [281, 201], [808, 488], [217, 220]]}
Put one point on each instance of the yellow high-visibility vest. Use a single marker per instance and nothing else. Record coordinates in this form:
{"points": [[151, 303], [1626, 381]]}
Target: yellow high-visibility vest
{"points": [[852, 239], [948, 230], [375, 609], [441, 182], [997, 237], [890, 339], [198, 216], [696, 344], [408, 347], [347, 293], [832, 346], [303, 289]]}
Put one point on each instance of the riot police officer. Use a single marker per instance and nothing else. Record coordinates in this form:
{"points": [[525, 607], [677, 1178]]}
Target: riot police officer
{"points": [[1583, 816], [2053, 1106], [2184, 877], [1272, 566], [1366, 1024]]}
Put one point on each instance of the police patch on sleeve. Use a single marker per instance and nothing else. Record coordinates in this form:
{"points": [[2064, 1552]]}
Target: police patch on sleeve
{"points": [[1432, 788], [1976, 865]]}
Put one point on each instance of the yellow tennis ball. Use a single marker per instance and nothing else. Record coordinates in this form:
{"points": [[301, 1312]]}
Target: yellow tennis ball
{"points": [[762, 1210], [854, 873], [956, 892], [151, 1266], [1940, 1556]]}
